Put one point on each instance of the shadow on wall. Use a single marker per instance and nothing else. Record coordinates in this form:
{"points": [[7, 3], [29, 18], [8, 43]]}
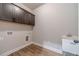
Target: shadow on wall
{"points": [[6, 26]]}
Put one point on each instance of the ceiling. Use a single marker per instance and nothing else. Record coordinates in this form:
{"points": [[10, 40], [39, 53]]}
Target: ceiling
{"points": [[32, 6]]}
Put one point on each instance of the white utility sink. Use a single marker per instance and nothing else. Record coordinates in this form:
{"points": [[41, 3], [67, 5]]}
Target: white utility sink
{"points": [[68, 45]]}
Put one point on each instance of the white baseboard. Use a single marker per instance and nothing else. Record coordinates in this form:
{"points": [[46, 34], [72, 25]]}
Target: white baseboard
{"points": [[50, 48], [14, 50]]}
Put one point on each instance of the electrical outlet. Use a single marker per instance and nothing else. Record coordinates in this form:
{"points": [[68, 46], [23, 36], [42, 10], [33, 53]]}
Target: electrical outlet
{"points": [[27, 38]]}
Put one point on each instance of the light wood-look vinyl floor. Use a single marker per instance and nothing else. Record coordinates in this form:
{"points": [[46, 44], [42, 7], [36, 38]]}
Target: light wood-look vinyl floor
{"points": [[34, 50]]}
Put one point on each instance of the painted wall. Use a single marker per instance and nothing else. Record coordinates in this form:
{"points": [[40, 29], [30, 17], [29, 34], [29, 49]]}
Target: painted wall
{"points": [[11, 41], [78, 20], [53, 21], [16, 39]]}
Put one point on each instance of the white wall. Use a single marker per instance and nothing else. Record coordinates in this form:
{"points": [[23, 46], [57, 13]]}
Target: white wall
{"points": [[53, 21], [15, 40], [78, 20]]}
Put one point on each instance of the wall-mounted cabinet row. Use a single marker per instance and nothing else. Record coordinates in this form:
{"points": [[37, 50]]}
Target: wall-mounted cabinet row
{"points": [[11, 12]]}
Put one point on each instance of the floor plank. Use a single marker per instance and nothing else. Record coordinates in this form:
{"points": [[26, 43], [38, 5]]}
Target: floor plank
{"points": [[34, 50]]}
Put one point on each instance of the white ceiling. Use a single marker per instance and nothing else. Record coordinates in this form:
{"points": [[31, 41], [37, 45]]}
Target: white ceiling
{"points": [[32, 6]]}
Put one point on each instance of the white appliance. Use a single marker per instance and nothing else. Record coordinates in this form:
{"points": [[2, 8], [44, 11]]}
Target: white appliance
{"points": [[70, 46]]}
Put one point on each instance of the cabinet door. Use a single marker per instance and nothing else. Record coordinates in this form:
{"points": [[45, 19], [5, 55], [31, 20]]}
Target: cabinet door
{"points": [[26, 18], [1, 11], [7, 10], [18, 15], [32, 19], [29, 19], [10, 12]]}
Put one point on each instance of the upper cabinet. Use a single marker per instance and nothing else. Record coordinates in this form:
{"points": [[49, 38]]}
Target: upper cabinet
{"points": [[13, 13]]}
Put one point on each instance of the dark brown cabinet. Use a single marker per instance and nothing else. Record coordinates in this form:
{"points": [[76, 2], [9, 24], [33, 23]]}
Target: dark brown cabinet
{"points": [[13, 13]]}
